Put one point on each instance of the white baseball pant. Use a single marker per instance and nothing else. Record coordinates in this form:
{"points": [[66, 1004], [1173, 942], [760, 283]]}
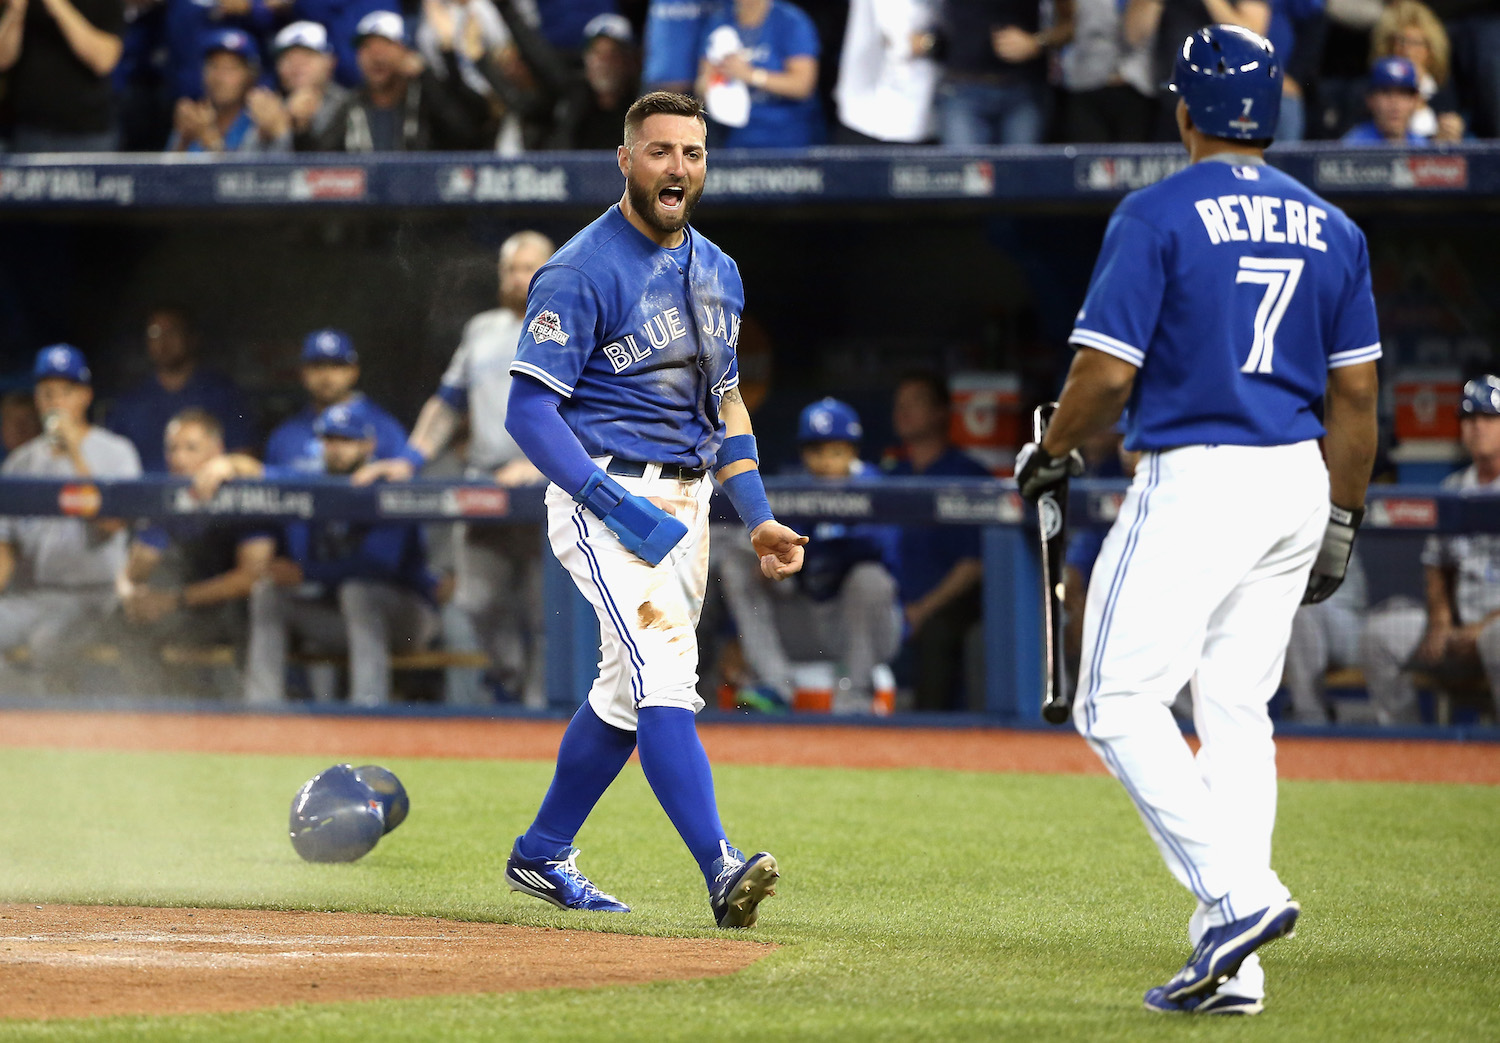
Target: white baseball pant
{"points": [[1197, 582], [648, 615]]}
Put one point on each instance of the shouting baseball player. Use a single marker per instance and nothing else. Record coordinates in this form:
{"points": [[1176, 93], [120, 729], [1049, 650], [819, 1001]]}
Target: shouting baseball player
{"points": [[1226, 302], [626, 397]]}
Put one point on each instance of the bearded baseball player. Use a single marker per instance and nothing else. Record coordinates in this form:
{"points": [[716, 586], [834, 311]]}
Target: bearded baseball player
{"points": [[1227, 301], [626, 397]]}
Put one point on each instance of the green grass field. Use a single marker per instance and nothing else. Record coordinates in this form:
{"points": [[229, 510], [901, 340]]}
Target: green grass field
{"points": [[915, 904]]}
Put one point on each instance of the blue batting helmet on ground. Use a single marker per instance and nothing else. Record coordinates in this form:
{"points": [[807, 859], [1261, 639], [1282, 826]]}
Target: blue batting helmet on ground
{"points": [[1481, 397], [829, 420], [388, 790], [1231, 81], [336, 817]]}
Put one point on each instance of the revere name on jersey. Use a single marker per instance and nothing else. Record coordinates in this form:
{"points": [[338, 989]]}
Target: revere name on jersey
{"points": [[639, 340], [1265, 274]]}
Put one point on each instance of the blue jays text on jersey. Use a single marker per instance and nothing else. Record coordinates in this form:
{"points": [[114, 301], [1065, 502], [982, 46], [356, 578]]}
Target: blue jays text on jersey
{"points": [[1246, 369], [638, 339]]}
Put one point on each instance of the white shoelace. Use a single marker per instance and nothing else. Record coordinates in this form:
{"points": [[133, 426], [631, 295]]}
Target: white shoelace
{"points": [[731, 864], [569, 868]]}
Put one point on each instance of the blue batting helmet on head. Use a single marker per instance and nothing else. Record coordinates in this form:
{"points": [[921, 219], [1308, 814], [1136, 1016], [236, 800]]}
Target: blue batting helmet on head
{"points": [[336, 817], [1231, 81], [1481, 397], [829, 420]]}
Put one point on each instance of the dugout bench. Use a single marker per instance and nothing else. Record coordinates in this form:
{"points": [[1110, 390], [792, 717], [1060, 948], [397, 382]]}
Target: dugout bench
{"points": [[1012, 617]]}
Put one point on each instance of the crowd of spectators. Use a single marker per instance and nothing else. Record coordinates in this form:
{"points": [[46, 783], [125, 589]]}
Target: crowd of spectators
{"points": [[517, 75]]}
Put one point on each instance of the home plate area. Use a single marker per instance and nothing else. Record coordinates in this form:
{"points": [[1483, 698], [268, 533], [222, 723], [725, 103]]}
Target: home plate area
{"points": [[65, 961]]}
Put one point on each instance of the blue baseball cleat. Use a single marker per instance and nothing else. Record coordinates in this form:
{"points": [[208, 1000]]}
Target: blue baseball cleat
{"points": [[740, 885], [1222, 949], [1213, 1003], [557, 880]]}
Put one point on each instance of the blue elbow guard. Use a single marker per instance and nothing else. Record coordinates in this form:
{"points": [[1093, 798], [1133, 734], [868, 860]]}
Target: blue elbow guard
{"points": [[644, 529]]}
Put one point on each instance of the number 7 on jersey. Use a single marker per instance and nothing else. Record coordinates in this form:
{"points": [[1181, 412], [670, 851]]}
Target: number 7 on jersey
{"points": [[1279, 276]]}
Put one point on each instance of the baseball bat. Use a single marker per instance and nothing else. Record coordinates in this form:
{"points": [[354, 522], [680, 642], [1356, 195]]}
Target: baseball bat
{"points": [[1052, 523]]}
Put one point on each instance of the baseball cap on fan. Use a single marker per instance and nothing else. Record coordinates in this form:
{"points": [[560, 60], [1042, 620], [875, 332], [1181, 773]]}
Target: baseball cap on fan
{"points": [[310, 35], [1393, 74], [329, 346], [231, 41], [1481, 397], [614, 26], [387, 25], [352, 419], [62, 361]]}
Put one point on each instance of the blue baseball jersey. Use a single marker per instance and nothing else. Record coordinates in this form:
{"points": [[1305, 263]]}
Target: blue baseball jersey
{"points": [[1234, 289], [670, 49], [294, 449], [639, 340]]}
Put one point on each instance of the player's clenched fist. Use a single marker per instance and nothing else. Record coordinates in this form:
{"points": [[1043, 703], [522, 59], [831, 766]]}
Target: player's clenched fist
{"points": [[779, 548]]}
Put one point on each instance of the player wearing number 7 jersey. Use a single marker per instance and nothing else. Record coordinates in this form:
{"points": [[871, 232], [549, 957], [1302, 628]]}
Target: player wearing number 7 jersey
{"points": [[1227, 303]]}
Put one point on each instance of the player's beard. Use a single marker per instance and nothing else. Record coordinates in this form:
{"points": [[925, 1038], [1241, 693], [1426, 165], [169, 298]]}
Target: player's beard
{"points": [[643, 200]]}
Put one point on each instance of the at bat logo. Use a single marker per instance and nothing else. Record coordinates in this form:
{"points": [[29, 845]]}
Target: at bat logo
{"points": [[548, 326]]}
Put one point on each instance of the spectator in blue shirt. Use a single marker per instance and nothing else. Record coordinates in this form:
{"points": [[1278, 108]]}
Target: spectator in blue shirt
{"points": [[670, 49], [773, 52], [178, 381], [1392, 97], [189, 24], [235, 115], [330, 369], [938, 567]]}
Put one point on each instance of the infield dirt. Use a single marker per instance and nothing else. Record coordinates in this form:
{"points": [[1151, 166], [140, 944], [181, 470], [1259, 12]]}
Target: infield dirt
{"points": [[65, 961]]}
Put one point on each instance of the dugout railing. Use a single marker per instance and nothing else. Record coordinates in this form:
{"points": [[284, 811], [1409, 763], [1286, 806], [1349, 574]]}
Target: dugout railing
{"points": [[1399, 517]]}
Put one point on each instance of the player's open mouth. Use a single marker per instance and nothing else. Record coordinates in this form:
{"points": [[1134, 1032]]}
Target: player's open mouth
{"points": [[671, 197]]}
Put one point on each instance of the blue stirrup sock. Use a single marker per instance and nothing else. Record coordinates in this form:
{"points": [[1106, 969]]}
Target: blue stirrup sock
{"points": [[588, 759], [677, 768]]}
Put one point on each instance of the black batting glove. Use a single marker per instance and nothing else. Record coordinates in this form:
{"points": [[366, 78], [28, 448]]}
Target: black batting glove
{"points": [[1333, 556], [1038, 471]]}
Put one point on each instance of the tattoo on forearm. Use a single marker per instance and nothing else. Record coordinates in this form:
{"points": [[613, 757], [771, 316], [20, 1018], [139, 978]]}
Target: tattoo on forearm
{"points": [[733, 396]]}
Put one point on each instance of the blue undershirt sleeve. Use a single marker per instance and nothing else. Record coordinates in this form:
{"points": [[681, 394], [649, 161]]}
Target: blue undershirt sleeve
{"points": [[544, 437]]}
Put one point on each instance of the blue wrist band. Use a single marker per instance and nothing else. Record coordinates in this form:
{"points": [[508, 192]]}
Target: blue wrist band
{"points": [[748, 494], [736, 447], [412, 455]]}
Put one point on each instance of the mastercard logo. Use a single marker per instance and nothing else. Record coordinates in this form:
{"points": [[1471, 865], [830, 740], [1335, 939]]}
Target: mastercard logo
{"points": [[80, 501]]}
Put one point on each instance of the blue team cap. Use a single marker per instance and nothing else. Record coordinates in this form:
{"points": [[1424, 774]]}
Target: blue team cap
{"points": [[829, 420], [62, 360], [329, 346], [352, 419], [385, 24], [1481, 397], [231, 41], [1397, 73]]}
